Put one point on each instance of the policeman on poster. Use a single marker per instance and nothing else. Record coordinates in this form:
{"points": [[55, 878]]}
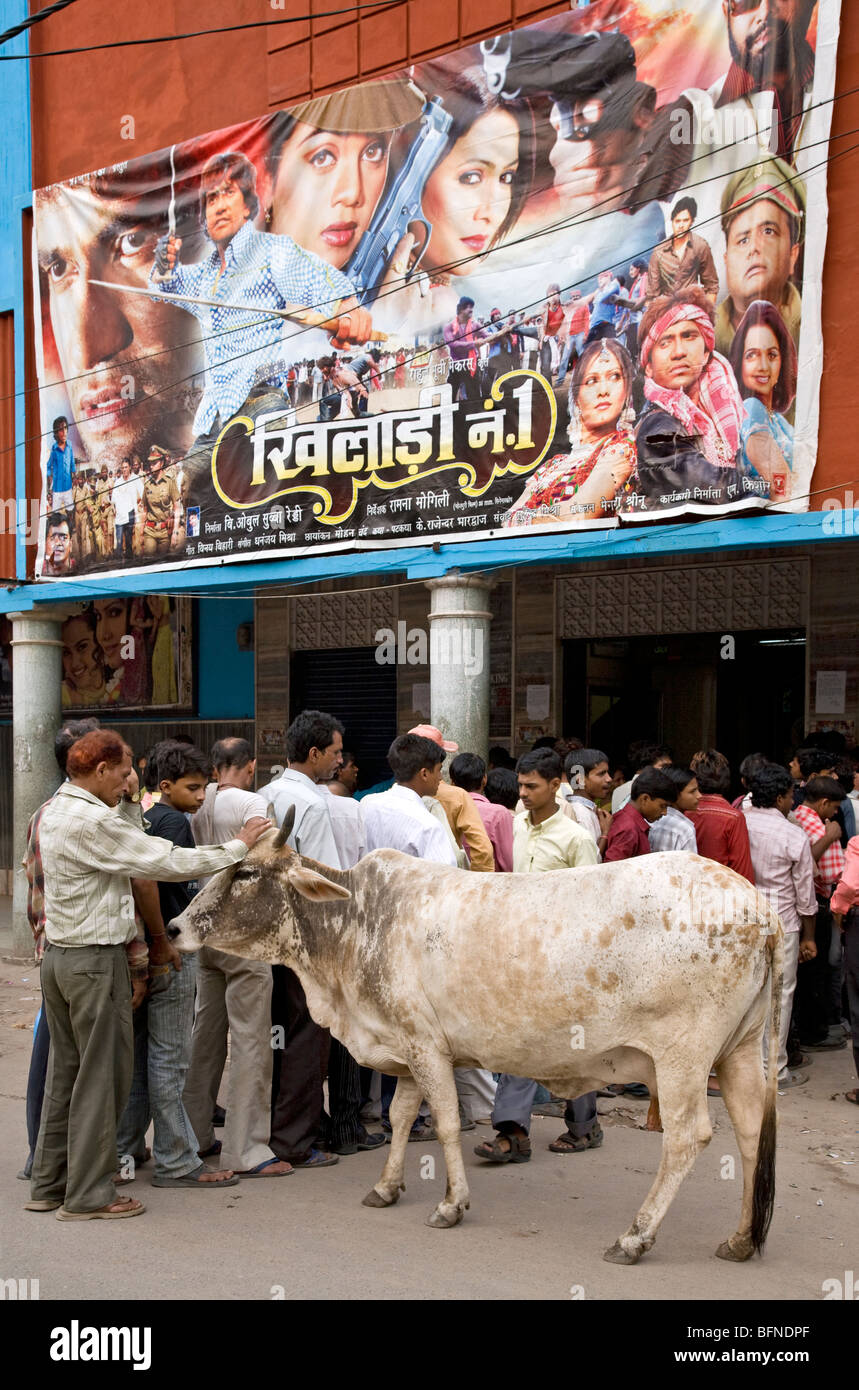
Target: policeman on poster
{"points": [[162, 507]]}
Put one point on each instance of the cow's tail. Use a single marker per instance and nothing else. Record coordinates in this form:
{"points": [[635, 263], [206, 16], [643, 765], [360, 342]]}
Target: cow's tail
{"points": [[763, 1192]]}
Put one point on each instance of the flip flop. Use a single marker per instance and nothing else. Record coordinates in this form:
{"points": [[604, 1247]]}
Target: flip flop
{"points": [[260, 1170], [193, 1180], [317, 1158], [47, 1205], [133, 1208]]}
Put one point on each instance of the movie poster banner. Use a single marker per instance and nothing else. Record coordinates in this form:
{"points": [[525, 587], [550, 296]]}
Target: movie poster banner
{"points": [[566, 277]]}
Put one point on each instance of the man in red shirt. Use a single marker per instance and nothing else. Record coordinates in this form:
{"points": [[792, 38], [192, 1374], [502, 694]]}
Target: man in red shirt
{"points": [[720, 831], [648, 802], [468, 771]]}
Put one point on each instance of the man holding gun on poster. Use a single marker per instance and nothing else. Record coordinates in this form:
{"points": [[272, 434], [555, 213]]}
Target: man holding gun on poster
{"points": [[246, 273], [611, 149]]}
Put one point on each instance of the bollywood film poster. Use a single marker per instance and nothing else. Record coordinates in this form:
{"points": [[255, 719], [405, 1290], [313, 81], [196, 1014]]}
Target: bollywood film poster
{"points": [[567, 277]]}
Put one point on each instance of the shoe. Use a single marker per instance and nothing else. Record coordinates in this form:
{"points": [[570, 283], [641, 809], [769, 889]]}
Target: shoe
{"points": [[25, 1173], [212, 1151], [219, 1117], [47, 1205], [794, 1078], [317, 1158], [419, 1131], [371, 1141], [129, 1208], [827, 1044], [799, 1059], [568, 1143]]}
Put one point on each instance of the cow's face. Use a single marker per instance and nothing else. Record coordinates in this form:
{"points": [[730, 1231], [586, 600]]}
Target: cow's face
{"points": [[252, 908]]}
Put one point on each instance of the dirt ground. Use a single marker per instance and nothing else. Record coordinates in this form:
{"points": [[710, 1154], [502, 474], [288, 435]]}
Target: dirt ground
{"points": [[534, 1231]]}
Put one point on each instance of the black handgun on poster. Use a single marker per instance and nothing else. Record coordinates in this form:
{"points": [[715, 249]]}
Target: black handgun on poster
{"points": [[400, 207], [591, 78]]}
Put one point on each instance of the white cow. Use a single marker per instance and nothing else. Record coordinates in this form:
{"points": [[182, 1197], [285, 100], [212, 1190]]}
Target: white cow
{"points": [[653, 969]]}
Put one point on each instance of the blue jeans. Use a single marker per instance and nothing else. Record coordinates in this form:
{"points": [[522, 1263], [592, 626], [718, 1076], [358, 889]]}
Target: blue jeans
{"points": [[162, 1050], [574, 345]]}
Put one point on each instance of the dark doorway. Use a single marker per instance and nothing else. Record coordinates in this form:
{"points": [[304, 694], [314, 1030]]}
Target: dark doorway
{"points": [[688, 690], [351, 685]]}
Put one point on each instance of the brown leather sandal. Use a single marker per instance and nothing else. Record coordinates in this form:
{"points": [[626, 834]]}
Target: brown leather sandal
{"points": [[519, 1151]]}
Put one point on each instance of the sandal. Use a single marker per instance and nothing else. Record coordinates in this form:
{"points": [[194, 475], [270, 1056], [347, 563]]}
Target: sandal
{"points": [[610, 1092], [193, 1179], [123, 1206], [519, 1151], [852, 1096], [317, 1158], [568, 1143]]}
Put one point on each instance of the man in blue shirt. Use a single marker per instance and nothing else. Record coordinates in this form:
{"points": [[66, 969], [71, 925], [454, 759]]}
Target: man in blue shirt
{"points": [[603, 306], [60, 471]]}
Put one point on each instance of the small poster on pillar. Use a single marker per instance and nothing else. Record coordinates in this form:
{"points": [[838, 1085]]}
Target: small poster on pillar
{"points": [[560, 279]]}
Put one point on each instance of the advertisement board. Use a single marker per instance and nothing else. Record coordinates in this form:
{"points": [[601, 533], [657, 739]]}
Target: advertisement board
{"points": [[565, 277]]}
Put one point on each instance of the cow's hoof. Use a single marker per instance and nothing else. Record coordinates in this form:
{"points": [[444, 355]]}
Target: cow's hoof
{"points": [[738, 1249], [375, 1198], [616, 1255], [446, 1215]]}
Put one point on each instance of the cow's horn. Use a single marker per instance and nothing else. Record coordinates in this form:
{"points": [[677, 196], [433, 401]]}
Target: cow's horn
{"points": [[286, 829]]}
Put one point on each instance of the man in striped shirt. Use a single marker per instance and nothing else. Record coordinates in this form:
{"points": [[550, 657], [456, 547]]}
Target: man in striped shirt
{"points": [[88, 854]]}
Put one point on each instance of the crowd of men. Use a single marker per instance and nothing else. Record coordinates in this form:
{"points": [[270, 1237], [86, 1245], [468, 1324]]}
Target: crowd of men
{"points": [[131, 1034]]}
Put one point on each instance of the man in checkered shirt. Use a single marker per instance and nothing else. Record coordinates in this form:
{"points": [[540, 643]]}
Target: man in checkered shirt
{"points": [[247, 355], [817, 1014]]}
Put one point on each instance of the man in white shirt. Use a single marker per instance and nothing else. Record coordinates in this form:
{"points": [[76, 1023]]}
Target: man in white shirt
{"points": [[314, 745], [641, 755], [784, 870], [126, 497], [88, 853], [398, 819], [235, 994]]}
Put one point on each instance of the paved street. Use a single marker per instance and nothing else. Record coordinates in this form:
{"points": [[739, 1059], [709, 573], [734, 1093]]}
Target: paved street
{"points": [[534, 1231]]}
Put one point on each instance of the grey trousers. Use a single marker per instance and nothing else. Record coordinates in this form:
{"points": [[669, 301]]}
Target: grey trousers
{"points": [[234, 994], [515, 1096], [87, 999]]}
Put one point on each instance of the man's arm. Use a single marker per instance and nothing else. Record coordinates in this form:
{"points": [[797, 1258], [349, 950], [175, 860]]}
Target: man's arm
{"points": [[739, 850], [709, 277], [807, 945], [583, 850], [117, 847], [831, 833], [471, 833], [622, 844]]}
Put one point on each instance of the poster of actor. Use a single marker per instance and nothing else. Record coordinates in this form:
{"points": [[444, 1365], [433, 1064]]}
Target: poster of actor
{"points": [[404, 231]]}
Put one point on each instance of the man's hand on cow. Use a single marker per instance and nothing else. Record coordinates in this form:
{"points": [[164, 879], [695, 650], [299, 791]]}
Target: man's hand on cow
{"points": [[252, 831], [807, 951], [162, 952]]}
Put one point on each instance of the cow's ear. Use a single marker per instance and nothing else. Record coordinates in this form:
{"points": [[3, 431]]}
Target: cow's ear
{"points": [[315, 886]]}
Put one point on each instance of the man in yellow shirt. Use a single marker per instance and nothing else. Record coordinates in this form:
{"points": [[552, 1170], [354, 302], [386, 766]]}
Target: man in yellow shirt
{"points": [[544, 838]]}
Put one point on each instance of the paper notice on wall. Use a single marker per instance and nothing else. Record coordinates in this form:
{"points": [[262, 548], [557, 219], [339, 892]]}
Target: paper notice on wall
{"points": [[831, 692], [537, 701]]}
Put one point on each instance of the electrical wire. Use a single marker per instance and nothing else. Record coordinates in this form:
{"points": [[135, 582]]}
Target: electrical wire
{"points": [[31, 21], [576, 220], [378, 8], [419, 352]]}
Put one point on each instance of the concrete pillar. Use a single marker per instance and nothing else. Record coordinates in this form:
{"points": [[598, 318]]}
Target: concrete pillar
{"points": [[459, 659], [37, 675]]}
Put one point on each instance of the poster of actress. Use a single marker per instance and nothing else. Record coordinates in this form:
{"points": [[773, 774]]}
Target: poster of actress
{"points": [[564, 277]]}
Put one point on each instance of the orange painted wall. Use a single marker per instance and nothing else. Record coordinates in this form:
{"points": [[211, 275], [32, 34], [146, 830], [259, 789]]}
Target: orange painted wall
{"points": [[174, 90]]}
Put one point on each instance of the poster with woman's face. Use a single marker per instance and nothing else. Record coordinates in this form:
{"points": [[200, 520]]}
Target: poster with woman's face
{"points": [[128, 653], [551, 279]]}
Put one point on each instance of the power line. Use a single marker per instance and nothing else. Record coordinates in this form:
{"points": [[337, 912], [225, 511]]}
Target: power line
{"points": [[29, 23], [519, 309], [192, 34], [576, 220]]}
